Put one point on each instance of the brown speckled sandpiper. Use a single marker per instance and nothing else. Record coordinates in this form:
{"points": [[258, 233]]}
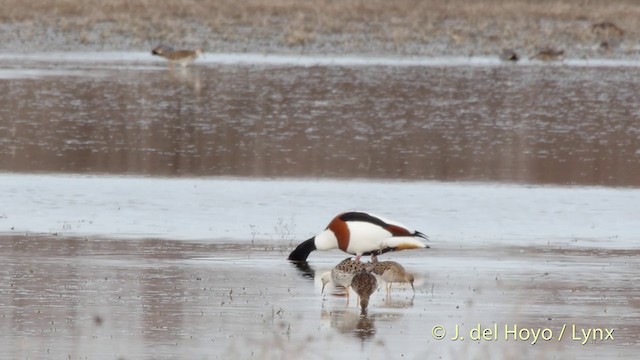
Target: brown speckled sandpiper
{"points": [[342, 274], [391, 272], [364, 284]]}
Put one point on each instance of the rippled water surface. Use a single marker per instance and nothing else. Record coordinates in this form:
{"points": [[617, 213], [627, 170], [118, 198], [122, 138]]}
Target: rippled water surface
{"points": [[101, 298], [490, 122]]}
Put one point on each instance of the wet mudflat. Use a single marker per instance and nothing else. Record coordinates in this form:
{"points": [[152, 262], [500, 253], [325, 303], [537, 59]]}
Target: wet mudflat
{"points": [[88, 297]]}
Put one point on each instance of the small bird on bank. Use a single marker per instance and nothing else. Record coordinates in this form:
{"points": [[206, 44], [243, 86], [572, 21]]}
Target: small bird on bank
{"points": [[608, 34], [509, 55], [391, 272], [606, 29], [548, 54], [342, 274], [182, 57], [361, 233], [364, 284]]}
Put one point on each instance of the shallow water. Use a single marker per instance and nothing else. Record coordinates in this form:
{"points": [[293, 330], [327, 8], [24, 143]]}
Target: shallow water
{"points": [[148, 213], [473, 121], [165, 299]]}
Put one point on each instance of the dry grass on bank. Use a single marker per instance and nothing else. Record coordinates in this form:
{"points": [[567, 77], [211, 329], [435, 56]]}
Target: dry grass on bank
{"points": [[299, 22]]}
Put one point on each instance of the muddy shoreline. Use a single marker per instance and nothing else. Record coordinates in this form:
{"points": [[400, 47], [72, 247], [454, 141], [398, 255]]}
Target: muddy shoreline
{"points": [[431, 28]]}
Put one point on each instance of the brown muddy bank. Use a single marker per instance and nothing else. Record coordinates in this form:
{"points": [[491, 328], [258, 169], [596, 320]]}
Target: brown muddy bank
{"points": [[407, 27]]}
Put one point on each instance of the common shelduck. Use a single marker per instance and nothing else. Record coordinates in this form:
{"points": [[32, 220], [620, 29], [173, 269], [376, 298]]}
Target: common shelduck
{"points": [[391, 272], [360, 233], [364, 284]]}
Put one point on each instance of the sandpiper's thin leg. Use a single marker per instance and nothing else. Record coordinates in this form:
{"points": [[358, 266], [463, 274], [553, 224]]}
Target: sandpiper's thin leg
{"points": [[347, 289]]}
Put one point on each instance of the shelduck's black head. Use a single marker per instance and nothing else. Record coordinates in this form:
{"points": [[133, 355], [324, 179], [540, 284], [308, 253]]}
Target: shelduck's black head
{"points": [[303, 250]]}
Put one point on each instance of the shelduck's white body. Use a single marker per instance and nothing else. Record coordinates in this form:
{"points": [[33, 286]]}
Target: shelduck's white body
{"points": [[360, 233]]}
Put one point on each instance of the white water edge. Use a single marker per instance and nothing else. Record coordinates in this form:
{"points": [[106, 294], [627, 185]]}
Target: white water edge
{"points": [[305, 59], [245, 209]]}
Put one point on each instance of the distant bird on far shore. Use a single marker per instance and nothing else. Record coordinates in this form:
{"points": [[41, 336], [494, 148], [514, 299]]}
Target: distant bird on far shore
{"points": [[360, 233], [161, 49], [548, 54], [391, 272], [182, 57], [364, 284], [608, 34], [509, 55], [606, 29]]}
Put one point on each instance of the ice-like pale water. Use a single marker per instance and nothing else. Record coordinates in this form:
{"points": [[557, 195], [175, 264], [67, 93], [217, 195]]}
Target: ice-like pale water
{"points": [[240, 209], [301, 60]]}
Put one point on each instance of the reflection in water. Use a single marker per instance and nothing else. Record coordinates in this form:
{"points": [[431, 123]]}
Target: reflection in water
{"points": [[365, 328], [348, 319], [304, 268], [183, 76], [351, 322], [399, 301], [531, 124]]}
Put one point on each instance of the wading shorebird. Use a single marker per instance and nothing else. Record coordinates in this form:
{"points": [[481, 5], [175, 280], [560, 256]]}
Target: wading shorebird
{"points": [[182, 57], [342, 274], [391, 272], [360, 233], [364, 284]]}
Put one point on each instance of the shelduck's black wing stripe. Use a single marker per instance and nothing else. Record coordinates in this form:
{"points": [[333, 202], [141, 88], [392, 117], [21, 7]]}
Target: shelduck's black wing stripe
{"points": [[360, 216], [395, 230]]}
